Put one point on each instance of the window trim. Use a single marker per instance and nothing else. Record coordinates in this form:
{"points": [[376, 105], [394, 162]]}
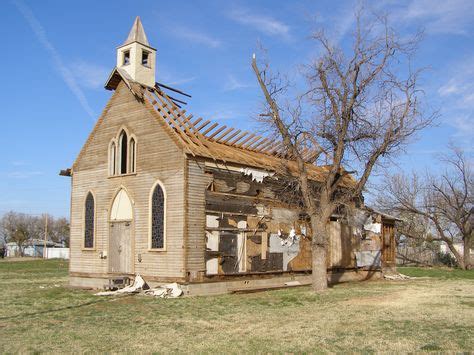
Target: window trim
{"points": [[117, 139], [129, 57], [150, 211], [84, 248], [132, 168], [112, 162], [120, 151], [148, 65]]}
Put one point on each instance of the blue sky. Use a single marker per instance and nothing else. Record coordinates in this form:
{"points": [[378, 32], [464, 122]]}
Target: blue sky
{"points": [[57, 55]]}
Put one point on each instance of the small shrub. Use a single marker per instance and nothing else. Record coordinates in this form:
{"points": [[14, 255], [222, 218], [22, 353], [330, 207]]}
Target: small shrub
{"points": [[446, 259]]}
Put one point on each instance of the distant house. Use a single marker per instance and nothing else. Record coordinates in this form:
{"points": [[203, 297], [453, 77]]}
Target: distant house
{"points": [[35, 248], [459, 246], [159, 193]]}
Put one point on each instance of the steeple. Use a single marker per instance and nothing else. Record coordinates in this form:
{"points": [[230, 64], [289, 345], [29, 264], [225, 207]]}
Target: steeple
{"points": [[137, 33], [136, 56]]}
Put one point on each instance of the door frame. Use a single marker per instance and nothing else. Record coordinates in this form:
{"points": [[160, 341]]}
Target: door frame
{"points": [[132, 231]]}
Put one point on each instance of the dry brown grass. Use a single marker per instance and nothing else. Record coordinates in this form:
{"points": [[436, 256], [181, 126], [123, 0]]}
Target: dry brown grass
{"points": [[416, 315]]}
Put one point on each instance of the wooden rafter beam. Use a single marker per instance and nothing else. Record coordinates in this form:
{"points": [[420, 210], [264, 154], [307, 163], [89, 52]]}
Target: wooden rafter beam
{"points": [[266, 145], [245, 140], [252, 141], [202, 125], [197, 121], [225, 133], [256, 146], [216, 132], [238, 138], [231, 136], [214, 125]]}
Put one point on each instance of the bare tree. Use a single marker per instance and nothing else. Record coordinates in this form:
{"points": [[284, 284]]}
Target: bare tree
{"points": [[19, 228], [360, 107], [445, 202], [58, 230]]}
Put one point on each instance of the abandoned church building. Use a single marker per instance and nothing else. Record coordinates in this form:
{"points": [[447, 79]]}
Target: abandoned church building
{"points": [[173, 198]]}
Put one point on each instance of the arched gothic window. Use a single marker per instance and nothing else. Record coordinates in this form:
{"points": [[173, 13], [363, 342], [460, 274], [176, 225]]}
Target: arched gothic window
{"points": [[89, 221], [123, 152], [113, 159], [157, 218], [132, 155]]}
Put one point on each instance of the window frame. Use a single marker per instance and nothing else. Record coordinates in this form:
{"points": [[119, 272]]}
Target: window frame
{"points": [[94, 224], [126, 53], [132, 165], [113, 159], [120, 152], [147, 65], [150, 216]]}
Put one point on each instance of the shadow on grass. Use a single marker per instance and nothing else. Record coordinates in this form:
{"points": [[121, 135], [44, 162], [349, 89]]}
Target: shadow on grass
{"points": [[90, 303]]}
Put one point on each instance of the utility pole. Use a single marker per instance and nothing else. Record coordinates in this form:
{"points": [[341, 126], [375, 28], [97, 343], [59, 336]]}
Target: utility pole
{"points": [[45, 235]]}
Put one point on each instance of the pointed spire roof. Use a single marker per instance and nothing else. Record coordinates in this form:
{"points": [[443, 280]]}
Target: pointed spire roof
{"points": [[137, 34]]}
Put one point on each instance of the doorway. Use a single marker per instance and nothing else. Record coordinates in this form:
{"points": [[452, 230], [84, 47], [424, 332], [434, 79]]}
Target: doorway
{"points": [[120, 237]]}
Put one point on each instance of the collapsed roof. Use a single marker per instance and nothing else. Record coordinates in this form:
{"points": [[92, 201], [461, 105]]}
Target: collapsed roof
{"points": [[206, 139]]}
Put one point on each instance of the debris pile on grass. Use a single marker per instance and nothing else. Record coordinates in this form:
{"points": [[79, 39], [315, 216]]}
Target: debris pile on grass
{"points": [[397, 277], [140, 286]]}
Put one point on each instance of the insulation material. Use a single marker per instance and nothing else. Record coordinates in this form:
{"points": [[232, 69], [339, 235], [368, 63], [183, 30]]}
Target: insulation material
{"points": [[363, 221], [290, 240], [172, 290], [212, 244], [368, 258], [137, 286], [212, 221], [257, 175], [372, 227], [289, 251]]}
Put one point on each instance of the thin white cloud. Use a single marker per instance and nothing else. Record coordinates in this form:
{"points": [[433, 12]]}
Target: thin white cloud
{"points": [[262, 23], [195, 36], [66, 74], [460, 85], [181, 81], [22, 174], [234, 84], [88, 75], [448, 17]]}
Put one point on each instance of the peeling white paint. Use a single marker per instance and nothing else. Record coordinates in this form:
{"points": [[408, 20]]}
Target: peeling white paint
{"points": [[257, 175]]}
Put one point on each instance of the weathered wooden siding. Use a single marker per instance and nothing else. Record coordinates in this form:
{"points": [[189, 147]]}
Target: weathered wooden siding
{"points": [[197, 182], [158, 158], [342, 244]]}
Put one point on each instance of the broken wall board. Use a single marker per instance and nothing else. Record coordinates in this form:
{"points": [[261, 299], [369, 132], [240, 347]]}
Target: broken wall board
{"points": [[289, 252], [368, 258]]}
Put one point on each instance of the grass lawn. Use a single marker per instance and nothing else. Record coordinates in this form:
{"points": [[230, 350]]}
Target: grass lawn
{"points": [[39, 313]]}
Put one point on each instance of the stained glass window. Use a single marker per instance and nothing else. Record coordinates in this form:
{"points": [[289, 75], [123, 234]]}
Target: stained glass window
{"points": [[89, 222], [157, 218]]}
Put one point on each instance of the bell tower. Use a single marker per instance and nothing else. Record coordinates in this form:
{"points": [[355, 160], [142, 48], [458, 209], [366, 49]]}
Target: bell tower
{"points": [[137, 57]]}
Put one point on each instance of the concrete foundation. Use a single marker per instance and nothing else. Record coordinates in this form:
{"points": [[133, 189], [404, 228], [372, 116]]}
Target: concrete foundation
{"points": [[242, 284]]}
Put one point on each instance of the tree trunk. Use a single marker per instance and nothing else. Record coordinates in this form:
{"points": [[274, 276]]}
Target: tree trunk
{"points": [[318, 249], [467, 253], [459, 258]]}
